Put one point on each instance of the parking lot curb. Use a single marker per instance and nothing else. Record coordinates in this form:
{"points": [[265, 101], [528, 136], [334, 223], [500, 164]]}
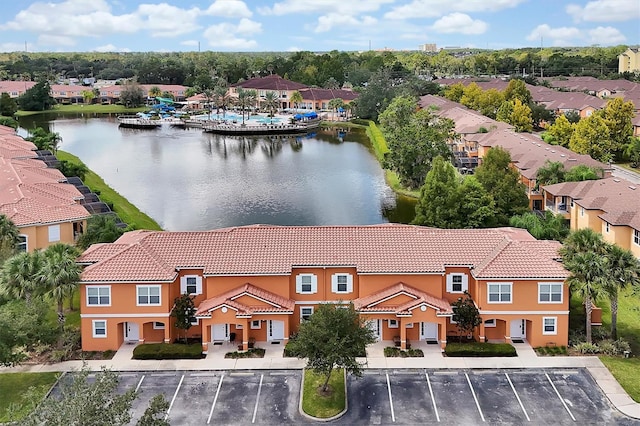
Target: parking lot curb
{"points": [[328, 419]]}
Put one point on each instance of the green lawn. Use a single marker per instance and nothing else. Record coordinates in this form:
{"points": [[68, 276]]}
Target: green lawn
{"points": [[129, 213], [626, 372], [81, 108], [320, 406], [14, 387]]}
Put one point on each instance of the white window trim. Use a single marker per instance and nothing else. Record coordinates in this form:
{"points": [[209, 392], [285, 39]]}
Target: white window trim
{"points": [[301, 309], [465, 282], [254, 327], [581, 211], [409, 325], [607, 227], [93, 329], [239, 326], [555, 326], [98, 304], [25, 243], [54, 233], [393, 326], [491, 323], [550, 293], [157, 327], [138, 287], [500, 284], [636, 237], [334, 283], [183, 284], [314, 284]]}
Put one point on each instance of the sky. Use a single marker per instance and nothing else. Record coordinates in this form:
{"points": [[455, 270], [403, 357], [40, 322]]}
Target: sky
{"points": [[314, 25]]}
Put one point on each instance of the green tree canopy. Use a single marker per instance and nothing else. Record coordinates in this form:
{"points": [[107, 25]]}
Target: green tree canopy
{"points": [[466, 314], [334, 336], [502, 182], [60, 274], [183, 311], [517, 114], [618, 115], [454, 92], [551, 172], [560, 131], [8, 106], [582, 172], [548, 227], [517, 89], [37, 98], [132, 95], [623, 271], [100, 229], [632, 151], [591, 137], [9, 238]]}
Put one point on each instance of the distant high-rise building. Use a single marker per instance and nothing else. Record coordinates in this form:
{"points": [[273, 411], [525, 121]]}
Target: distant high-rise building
{"points": [[629, 60], [428, 47]]}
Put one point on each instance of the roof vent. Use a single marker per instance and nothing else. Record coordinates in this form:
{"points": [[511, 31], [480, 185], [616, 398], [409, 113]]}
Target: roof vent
{"points": [[632, 187], [616, 180], [539, 145], [562, 155], [553, 151]]}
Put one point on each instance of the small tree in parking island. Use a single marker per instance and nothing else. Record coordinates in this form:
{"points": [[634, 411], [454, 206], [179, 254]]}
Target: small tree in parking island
{"points": [[184, 312], [466, 314], [333, 337]]}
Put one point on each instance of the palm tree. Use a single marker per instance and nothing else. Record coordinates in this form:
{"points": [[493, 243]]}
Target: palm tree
{"points": [[54, 141], [9, 238], [582, 241], [243, 98], [209, 95], [88, 96], [154, 92], [221, 97], [60, 274], [551, 172], [623, 270], [296, 98], [587, 280], [334, 104], [20, 275], [270, 102]]}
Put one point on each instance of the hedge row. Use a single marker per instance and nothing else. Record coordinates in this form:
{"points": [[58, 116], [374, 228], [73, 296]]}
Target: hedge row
{"points": [[378, 141], [168, 351], [394, 352], [251, 353], [480, 350]]}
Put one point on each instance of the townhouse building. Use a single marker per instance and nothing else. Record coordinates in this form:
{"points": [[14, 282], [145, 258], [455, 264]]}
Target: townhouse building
{"points": [[37, 198], [629, 60], [259, 282]]}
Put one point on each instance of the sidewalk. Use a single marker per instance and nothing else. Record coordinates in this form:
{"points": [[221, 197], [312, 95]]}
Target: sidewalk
{"points": [[433, 358]]}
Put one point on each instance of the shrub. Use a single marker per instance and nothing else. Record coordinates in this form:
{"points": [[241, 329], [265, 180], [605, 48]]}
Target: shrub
{"points": [[622, 346], [251, 353], [587, 348], [600, 333], [394, 352], [167, 351], [480, 350], [288, 351], [360, 121], [608, 348]]}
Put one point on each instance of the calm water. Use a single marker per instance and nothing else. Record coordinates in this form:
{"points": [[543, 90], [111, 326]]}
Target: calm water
{"points": [[190, 180]]}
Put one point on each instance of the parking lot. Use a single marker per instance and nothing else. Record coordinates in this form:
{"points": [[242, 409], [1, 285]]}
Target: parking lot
{"points": [[383, 397]]}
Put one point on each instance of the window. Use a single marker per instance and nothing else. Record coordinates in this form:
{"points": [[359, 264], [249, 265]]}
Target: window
{"points": [[99, 328], [581, 211], [194, 321], [341, 283], [457, 283], [550, 292], [606, 227], [148, 295], [98, 296], [22, 243], [158, 325], [393, 323], [305, 313], [636, 237], [54, 233], [191, 284], [306, 284], [239, 326], [255, 324], [410, 325], [549, 325], [490, 323], [499, 293]]}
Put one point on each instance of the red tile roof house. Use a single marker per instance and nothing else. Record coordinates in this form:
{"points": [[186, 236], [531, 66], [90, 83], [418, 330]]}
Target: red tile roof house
{"points": [[111, 94], [36, 198], [271, 83], [259, 282], [15, 88], [317, 99]]}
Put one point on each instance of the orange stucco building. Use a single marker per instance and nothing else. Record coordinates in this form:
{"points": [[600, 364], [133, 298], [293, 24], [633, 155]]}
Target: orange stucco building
{"points": [[258, 283]]}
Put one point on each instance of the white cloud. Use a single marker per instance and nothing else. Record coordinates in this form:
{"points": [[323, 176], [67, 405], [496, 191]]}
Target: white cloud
{"points": [[333, 20], [54, 40], [340, 7], [189, 43], [606, 35], [229, 9], [227, 36], [560, 36], [111, 48], [459, 23], [605, 11], [436, 8], [164, 20]]}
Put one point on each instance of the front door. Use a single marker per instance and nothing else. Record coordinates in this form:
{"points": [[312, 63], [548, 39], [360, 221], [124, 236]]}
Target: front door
{"points": [[428, 331], [131, 332], [376, 326], [276, 330], [518, 330], [219, 332]]}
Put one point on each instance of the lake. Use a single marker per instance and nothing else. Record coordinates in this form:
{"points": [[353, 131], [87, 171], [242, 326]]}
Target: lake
{"points": [[191, 180]]}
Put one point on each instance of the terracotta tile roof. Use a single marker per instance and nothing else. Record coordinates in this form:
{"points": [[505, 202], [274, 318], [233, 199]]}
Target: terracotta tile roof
{"points": [[370, 303], [270, 82], [314, 93], [519, 259], [28, 211], [276, 250], [277, 303]]}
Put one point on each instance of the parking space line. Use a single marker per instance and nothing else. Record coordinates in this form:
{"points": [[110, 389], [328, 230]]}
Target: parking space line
{"points": [[517, 397], [560, 397], [393, 416], [166, 416], [140, 383], [215, 398], [255, 409], [475, 398], [433, 399]]}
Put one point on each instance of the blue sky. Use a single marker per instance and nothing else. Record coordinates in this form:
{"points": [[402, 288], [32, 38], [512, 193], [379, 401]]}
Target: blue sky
{"points": [[316, 25]]}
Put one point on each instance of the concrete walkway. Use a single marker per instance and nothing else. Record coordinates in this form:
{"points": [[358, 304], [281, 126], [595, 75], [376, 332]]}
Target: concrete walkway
{"points": [[527, 358]]}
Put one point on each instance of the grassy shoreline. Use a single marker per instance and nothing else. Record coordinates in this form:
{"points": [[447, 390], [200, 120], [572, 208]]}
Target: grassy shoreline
{"points": [[129, 213], [82, 108]]}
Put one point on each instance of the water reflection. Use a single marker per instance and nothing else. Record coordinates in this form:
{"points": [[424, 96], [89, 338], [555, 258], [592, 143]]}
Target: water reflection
{"points": [[190, 180]]}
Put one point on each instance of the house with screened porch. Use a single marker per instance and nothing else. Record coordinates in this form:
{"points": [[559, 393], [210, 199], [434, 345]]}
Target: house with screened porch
{"points": [[258, 283]]}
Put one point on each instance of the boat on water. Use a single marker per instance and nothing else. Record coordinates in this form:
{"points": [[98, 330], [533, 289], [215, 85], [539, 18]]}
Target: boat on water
{"points": [[137, 122], [226, 128]]}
